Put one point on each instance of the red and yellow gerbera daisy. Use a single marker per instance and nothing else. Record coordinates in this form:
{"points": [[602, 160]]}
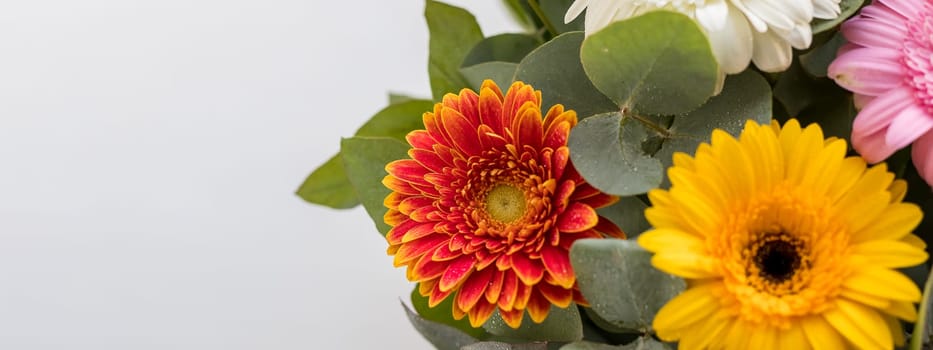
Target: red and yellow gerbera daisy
{"points": [[489, 205]]}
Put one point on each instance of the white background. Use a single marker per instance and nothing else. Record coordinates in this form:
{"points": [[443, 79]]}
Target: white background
{"points": [[148, 155]]}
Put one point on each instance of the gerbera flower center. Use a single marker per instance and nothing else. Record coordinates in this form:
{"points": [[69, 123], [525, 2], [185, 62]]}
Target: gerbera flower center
{"points": [[776, 257], [505, 203], [917, 50]]}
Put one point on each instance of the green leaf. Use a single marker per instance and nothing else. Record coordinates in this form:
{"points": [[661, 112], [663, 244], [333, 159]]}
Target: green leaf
{"points": [[395, 98], [657, 63], [643, 343], [555, 10], [560, 325], [517, 10], [744, 96], [617, 278], [442, 336], [818, 59], [397, 120], [847, 7], [453, 32], [365, 159], [443, 313], [816, 100], [494, 345], [555, 69], [628, 214], [328, 186], [503, 47], [606, 150], [500, 72], [923, 324]]}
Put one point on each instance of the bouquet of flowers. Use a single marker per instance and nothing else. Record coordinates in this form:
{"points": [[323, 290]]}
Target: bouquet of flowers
{"points": [[660, 174]]}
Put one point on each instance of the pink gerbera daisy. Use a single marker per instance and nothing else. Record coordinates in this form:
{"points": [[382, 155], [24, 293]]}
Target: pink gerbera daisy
{"points": [[888, 65]]}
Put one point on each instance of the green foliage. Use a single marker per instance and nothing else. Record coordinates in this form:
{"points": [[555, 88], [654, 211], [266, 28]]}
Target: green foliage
{"points": [[560, 325], [555, 69], [442, 314], [328, 184], [442, 336], [501, 48], [499, 72], [817, 60], [815, 100], [643, 343], [628, 215], [617, 278], [924, 316], [364, 159], [847, 7], [606, 150], [453, 32], [494, 345], [658, 63]]}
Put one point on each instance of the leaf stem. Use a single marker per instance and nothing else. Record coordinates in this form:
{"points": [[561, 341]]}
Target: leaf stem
{"points": [[538, 12], [651, 125], [919, 334]]}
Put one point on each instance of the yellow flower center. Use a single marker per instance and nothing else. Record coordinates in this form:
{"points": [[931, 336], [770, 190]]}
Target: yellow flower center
{"points": [[505, 203]]}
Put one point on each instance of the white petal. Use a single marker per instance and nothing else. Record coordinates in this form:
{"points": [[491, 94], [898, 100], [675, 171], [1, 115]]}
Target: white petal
{"points": [[800, 37], [753, 19], [771, 53], [732, 45], [713, 15], [575, 10], [771, 13], [826, 9]]}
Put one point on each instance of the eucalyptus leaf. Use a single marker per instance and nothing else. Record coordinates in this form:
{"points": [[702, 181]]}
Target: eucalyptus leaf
{"points": [[554, 11], [606, 150], [818, 59], [508, 47], [494, 345], [364, 159], [555, 69], [847, 9], [744, 96], [328, 185], [628, 214], [643, 343], [560, 325], [453, 32], [442, 336], [443, 313], [617, 278], [658, 63], [499, 72]]}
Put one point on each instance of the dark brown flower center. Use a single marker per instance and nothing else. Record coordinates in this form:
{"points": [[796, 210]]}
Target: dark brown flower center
{"points": [[777, 260]]}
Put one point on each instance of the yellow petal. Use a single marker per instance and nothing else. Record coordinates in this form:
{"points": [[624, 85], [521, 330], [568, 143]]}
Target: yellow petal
{"points": [[904, 310], [861, 325], [884, 283], [887, 253], [896, 221], [820, 334], [665, 239], [686, 264], [693, 305]]}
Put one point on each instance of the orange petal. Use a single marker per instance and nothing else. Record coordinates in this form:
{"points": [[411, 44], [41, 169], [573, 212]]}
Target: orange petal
{"points": [[462, 133], [418, 231], [557, 263], [513, 317], [426, 269], [420, 139], [468, 105], [556, 295], [429, 159], [600, 201], [407, 170], [473, 289], [394, 217], [443, 253], [538, 307], [415, 249], [394, 184], [437, 296], [577, 218], [457, 271], [521, 299], [408, 205], [518, 95], [528, 270], [509, 291], [395, 234], [528, 129], [557, 135], [560, 159], [432, 123], [609, 228], [561, 198], [490, 110], [480, 313], [495, 286]]}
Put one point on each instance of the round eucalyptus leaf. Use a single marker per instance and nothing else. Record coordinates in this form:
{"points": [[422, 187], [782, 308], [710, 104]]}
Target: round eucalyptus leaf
{"points": [[658, 63], [499, 72], [509, 47], [442, 336], [555, 69], [607, 151], [617, 278], [560, 325]]}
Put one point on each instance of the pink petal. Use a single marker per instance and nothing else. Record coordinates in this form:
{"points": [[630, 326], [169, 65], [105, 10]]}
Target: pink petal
{"points": [[922, 154], [907, 8], [882, 13], [872, 146], [868, 71], [861, 100], [873, 32], [909, 124], [880, 112]]}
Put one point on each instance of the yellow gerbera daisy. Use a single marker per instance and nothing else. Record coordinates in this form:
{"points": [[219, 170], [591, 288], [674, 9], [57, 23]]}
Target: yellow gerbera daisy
{"points": [[785, 244]]}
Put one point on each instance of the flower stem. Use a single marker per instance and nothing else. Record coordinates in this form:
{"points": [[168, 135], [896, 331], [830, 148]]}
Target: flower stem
{"points": [[651, 125], [538, 12], [919, 334]]}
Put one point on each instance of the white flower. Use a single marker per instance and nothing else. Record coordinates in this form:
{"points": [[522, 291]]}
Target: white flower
{"points": [[739, 31]]}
